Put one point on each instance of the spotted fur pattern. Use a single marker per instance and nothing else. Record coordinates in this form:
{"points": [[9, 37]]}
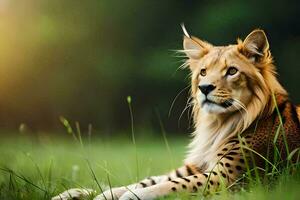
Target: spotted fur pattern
{"points": [[232, 160], [230, 165]]}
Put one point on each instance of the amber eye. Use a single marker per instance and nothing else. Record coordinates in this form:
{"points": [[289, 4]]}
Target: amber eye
{"points": [[203, 72], [231, 71]]}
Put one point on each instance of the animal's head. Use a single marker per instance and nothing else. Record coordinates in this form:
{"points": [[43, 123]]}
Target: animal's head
{"points": [[235, 78]]}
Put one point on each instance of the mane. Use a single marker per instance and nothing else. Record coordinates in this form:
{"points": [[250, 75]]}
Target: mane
{"points": [[212, 130]]}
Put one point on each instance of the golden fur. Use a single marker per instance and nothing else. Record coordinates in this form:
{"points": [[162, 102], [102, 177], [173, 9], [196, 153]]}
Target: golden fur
{"points": [[251, 90]]}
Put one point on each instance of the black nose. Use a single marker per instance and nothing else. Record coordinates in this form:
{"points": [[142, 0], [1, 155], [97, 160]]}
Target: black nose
{"points": [[205, 89]]}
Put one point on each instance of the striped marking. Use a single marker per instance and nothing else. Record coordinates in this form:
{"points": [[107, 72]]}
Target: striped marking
{"points": [[227, 165], [233, 141], [229, 157], [223, 174], [143, 184], [198, 170], [187, 180], [195, 189], [282, 106], [152, 181], [189, 170], [178, 173], [295, 116]]}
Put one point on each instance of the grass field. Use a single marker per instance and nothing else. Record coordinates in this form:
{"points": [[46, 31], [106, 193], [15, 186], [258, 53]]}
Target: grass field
{"points": [[39, 167]]}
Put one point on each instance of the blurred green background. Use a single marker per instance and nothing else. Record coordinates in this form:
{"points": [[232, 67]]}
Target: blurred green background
{"points": [[81, 59]]}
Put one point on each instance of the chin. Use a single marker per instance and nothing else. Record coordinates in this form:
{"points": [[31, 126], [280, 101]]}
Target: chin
{"points": [[214, 108]]}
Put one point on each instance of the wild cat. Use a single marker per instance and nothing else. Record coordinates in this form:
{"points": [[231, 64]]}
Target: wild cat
{"points": [[238, 106]]}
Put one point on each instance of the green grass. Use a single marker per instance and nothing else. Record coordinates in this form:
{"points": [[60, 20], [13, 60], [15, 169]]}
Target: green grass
{"points": [[55, 164], [39, 167]]}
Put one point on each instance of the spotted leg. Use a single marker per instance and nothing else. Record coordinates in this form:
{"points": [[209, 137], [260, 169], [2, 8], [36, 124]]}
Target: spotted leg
{"points": [[116, 193]]}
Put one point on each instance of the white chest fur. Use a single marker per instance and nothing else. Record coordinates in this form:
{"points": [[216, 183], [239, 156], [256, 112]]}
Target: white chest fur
{"points": [[210, 134]]}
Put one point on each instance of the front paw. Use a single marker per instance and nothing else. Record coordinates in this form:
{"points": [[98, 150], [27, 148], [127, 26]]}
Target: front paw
{"points": [[138, 194], [73, 193], [130, 195], [113, 194]]}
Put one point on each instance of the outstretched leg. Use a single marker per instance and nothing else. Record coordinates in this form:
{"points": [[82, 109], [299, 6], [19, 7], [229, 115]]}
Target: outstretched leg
{"points": [[230, 163], [183, 171]]}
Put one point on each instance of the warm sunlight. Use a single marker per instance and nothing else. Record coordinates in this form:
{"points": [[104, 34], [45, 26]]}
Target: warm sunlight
{"points": [[143, 100]]}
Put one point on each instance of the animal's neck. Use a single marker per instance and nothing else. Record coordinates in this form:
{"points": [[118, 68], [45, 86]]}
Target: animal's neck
{"points": [[211, 132]]}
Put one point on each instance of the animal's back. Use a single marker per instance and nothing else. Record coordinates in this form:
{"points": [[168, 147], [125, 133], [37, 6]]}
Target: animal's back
{"points": [[279, 132]]}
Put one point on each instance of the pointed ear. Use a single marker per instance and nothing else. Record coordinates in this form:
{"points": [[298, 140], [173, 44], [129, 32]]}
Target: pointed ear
{"points": [[195, 48], [256, 44]]}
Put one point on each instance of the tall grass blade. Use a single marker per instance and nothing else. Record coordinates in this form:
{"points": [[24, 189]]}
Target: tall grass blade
{"points": [[163, 131], [133, 136], [11, 172], [78, 133], [282, 127], [68, 127], [95, 178]]}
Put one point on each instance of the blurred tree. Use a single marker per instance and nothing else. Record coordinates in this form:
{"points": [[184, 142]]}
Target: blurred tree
{"points": [[81, 59]]}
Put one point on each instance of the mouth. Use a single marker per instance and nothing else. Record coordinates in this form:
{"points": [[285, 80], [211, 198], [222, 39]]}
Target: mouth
{"points": [[224, 104]]}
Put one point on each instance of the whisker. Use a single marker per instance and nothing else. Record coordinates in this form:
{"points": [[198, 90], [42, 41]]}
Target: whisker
{"points": [[185, 109], [174, 100], [242, 106], [189, 104], [179, 56], [184, 65], [190, 111], [237, 108]]}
